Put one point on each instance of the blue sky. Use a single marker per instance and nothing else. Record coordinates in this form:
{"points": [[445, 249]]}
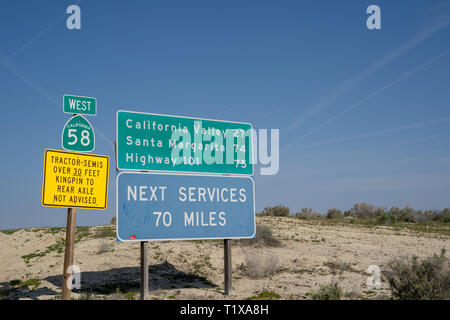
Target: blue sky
{"points": [[363, 114]]}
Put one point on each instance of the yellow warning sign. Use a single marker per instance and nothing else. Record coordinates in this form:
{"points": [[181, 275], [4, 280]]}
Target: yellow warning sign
{"points": [[75, 180]]}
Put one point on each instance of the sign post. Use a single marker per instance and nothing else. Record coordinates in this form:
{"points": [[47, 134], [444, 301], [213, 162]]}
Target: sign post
{"points": [[69, 253], [227, 266], [74, 180], [144, 270]]}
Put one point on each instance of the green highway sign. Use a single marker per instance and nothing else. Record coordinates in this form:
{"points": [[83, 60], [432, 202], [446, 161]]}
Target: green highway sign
{"points": [[147, 141], [78, 135], [80, 105]]}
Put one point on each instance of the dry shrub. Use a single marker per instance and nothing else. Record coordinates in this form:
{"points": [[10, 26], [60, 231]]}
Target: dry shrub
{"points": [[105, 247], [277, 211], [364, 210], [308, 214], [334, 214], [258, 265], [263, 237], [414, 279]]}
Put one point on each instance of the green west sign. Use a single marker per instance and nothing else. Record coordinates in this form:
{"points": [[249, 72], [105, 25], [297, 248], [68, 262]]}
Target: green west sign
{"points": [[80, 105], [148, 141], [78, 135]]}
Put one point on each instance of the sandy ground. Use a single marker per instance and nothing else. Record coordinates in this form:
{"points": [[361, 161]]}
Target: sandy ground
{"points": [[311, 254]]}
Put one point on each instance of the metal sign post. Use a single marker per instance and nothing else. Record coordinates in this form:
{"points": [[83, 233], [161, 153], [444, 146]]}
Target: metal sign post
{"points": [[227, 265], [144, 269]]}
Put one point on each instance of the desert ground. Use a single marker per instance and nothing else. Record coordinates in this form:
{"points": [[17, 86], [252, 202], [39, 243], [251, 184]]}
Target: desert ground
{"points": [[311, 253]]}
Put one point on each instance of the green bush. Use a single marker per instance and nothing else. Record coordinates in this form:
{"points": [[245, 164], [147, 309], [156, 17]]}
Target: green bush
{"points": [[407, 214], [265, 295], [334, 214], [105, 232], [385, 218], [423, 217], [443, 216], [330, 291], [277, 211], [414, 279]]}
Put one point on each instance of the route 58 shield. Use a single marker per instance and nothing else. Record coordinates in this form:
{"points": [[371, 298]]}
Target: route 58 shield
{"points": [[78, 135]]}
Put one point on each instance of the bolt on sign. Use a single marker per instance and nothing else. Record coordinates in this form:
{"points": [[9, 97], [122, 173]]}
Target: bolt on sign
{"points": [[147, 141], [78, 135], [75, 180], [79, 105], [157, 206]]}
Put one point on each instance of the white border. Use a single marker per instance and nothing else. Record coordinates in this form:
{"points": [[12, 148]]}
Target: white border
{"points": [[175, 174], [87, 114], [62, 134], [187, 172]]}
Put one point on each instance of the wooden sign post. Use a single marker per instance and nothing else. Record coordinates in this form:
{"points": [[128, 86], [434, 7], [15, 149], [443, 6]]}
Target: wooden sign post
{"points": [[69, 253]]}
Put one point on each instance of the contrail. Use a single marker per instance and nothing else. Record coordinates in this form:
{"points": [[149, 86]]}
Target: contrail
{"points": [[348, 84], [373, 94], [37, 36], [47, 96], [29, 83], [5, 62], [376, 133]]}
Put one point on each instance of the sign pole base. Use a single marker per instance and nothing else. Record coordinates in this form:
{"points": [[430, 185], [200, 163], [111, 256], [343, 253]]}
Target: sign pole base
{"points": [[69, 253], [144, 269], [227, 266]]}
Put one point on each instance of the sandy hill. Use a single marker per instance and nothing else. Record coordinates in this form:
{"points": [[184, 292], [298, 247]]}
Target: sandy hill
{"points": [[310, 253]]}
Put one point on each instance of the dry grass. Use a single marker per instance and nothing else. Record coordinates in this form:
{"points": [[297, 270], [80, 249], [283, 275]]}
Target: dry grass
{"points": [[259, 265], [414, 279], [105, 247], [263, 237]]}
